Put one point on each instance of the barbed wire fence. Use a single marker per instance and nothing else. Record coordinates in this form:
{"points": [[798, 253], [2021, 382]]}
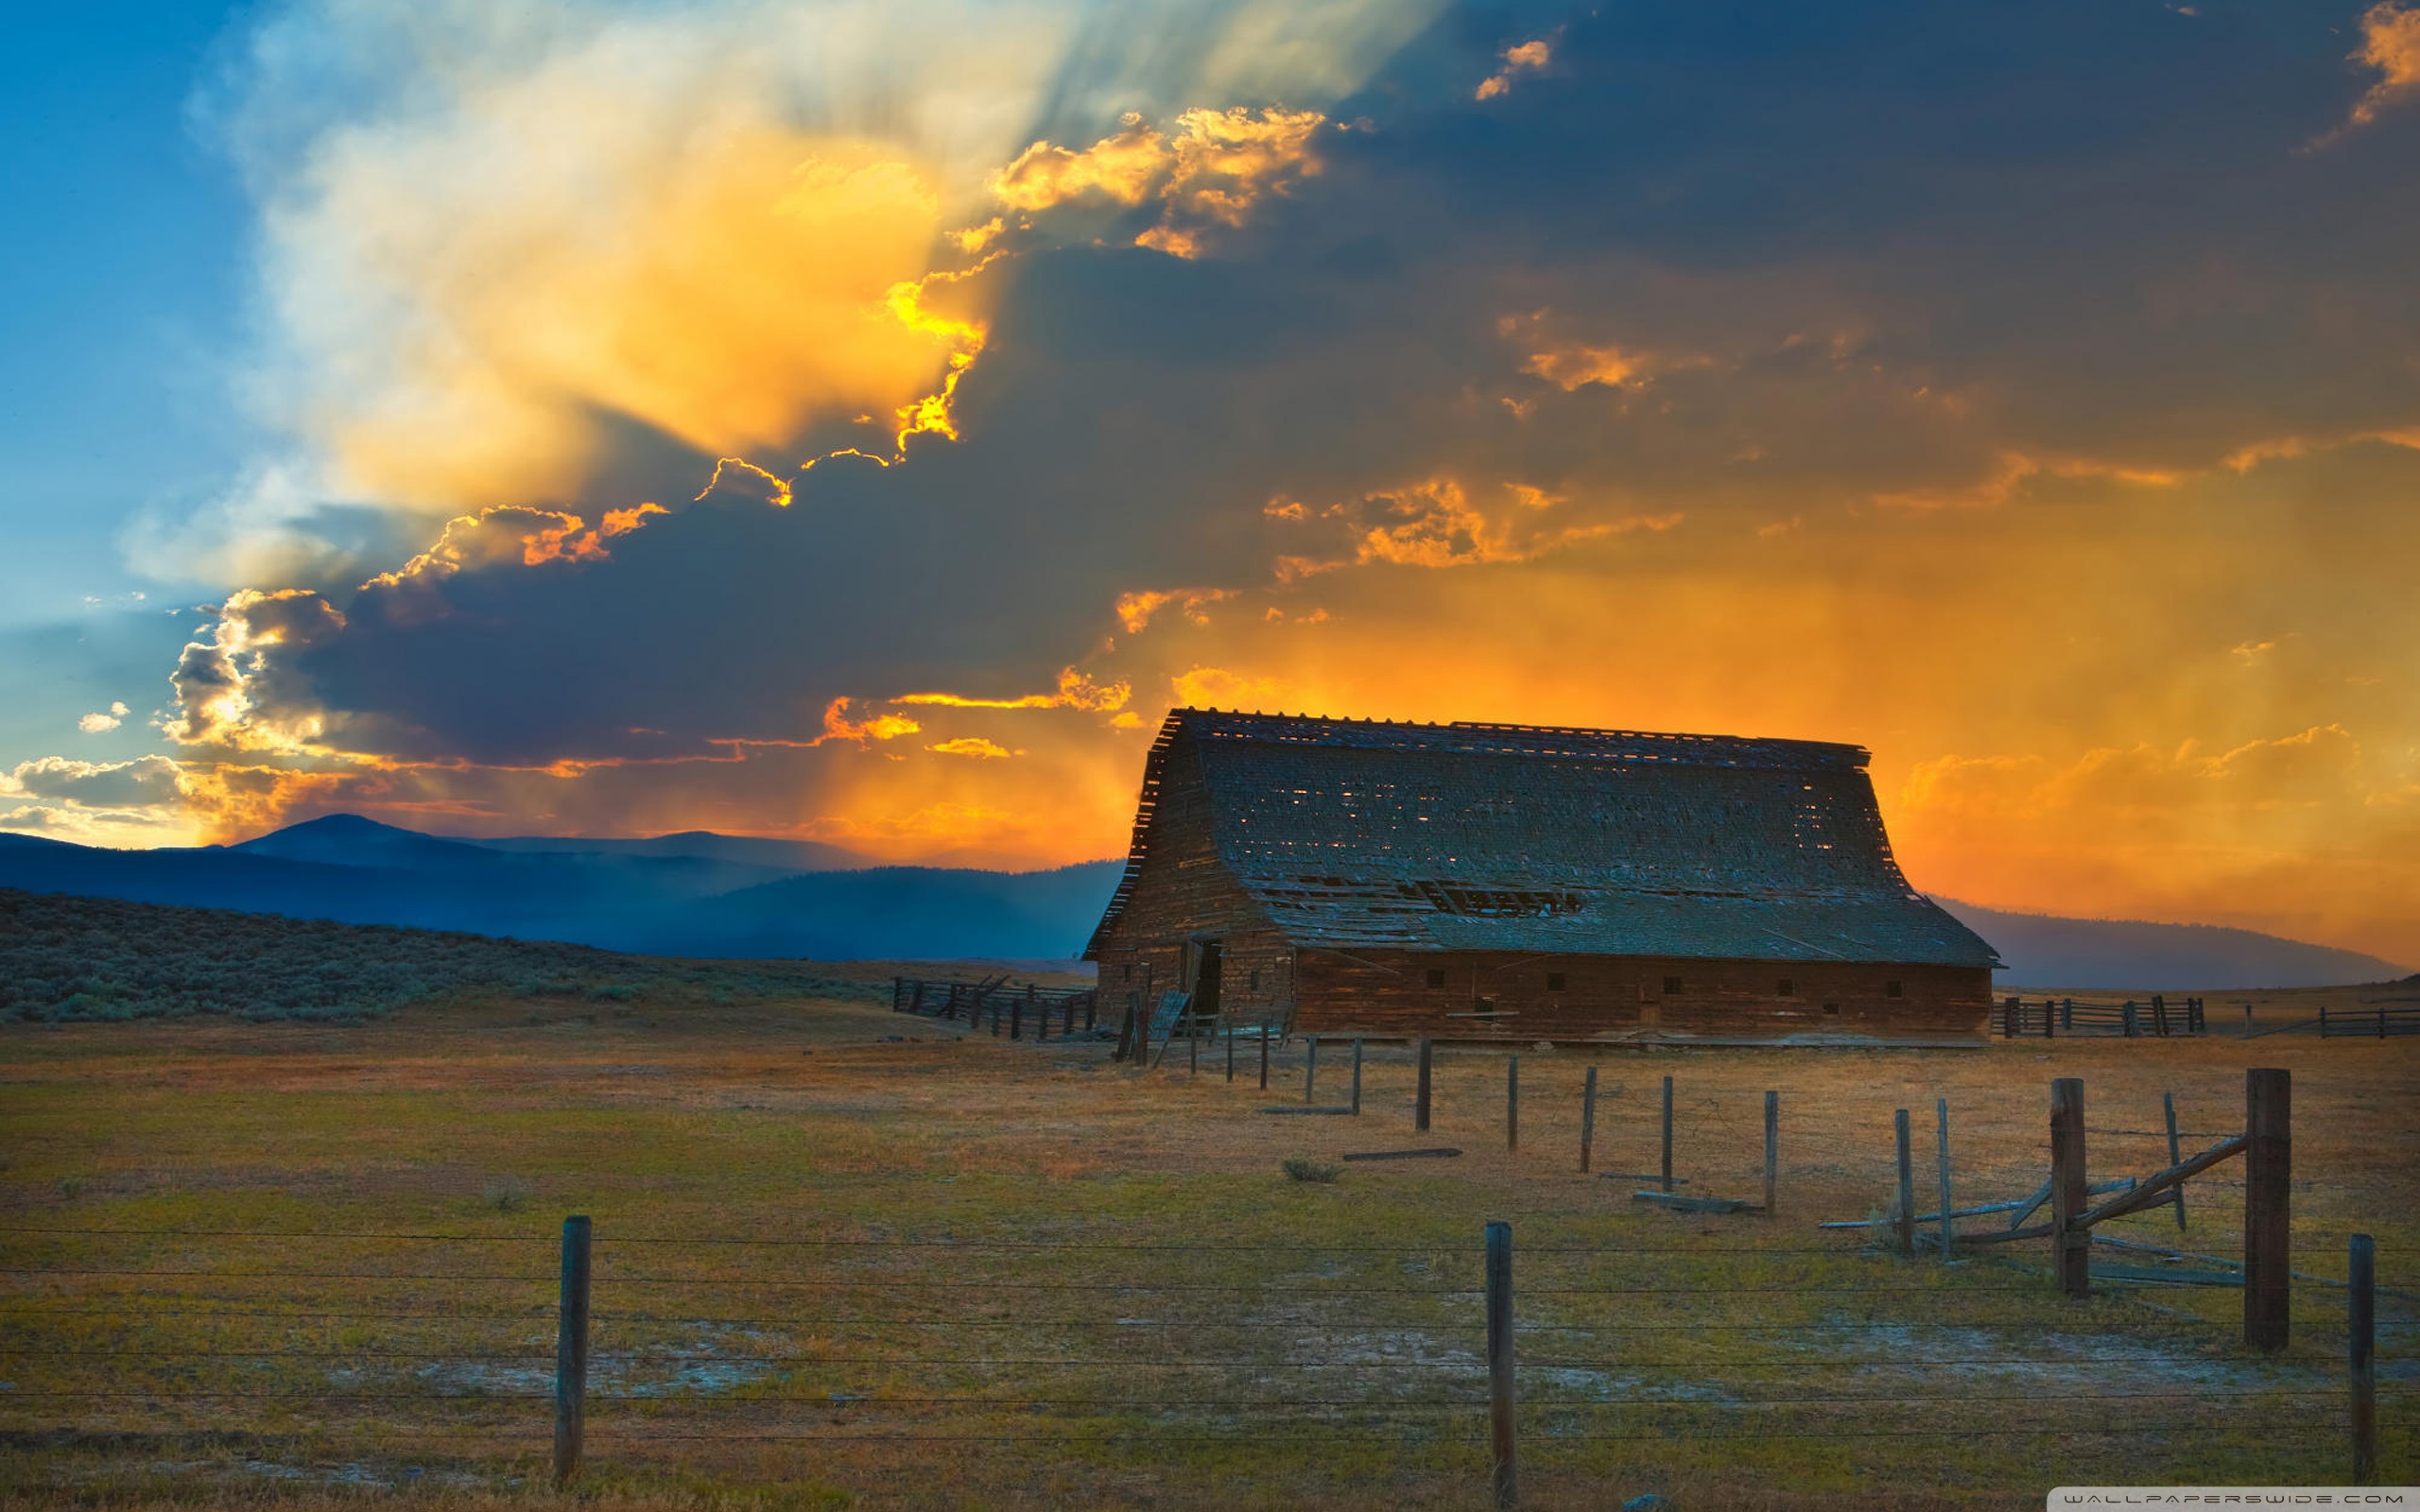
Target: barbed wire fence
{"points": [[843, 1358]]}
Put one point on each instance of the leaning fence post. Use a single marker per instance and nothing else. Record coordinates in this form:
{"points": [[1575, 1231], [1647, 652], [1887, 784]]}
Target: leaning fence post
{"points": [[2175, 1156], [2268, 1207], [1949, 1234], [1356, 1076], [1668, 1133], [1513, 1103], [1420, 1103], [2070, 1246], [1773, 1148], [1500, 1402], [2361, 1273], [1587, 1119], [1905, 1219], [571, 1352], [1310, 1068]]}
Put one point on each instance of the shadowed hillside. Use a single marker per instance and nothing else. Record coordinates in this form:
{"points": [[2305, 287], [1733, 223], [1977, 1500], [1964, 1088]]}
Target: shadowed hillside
{"points": [[67, 958]]}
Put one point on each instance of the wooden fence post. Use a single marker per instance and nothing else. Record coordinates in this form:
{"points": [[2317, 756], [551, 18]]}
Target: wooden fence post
{"points": [[1668, 1133], [1310, 1068], [2070, 1247], [1092, 1005], [1948, 1235], [1264, 1055], [1587, 1119], [1230, 1050], [2175, 1156], [2268, 1207], [1420, 1102], [1773, 1149], [571, 1352], [1356, 1076], [2008, 1020], [1500, 1400], [2362, 1356], [1512, 1103], [1905, 1219]]}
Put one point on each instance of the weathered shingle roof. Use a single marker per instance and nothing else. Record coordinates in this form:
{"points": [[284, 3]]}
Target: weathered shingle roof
{"points": [[1505, 837]]}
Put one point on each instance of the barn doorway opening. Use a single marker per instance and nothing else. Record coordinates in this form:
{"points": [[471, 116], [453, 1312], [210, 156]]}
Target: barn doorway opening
{"points": [[1209, 968]]}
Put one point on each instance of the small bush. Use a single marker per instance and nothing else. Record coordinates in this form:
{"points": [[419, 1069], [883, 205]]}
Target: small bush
{"points": [[510, 1195], [1301, 1170]]}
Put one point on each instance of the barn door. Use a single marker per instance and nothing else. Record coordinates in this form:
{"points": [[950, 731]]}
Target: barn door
{"points": [[1209, 966]]}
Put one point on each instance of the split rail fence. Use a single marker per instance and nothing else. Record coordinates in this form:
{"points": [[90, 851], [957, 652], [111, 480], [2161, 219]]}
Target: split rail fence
{"points": [[2159, 1019], [1010, 1009]]}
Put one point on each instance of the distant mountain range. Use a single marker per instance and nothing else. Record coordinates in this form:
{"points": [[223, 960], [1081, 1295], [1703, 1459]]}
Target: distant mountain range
{"points": [[701, 893], [698, 894], [2045, 951]]}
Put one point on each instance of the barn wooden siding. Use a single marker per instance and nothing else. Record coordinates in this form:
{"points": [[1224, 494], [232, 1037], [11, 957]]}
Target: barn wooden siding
{"points": [[1387, 994]]}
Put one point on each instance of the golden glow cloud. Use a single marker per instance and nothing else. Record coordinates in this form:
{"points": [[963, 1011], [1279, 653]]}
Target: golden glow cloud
{"points": [[2391, 44]]}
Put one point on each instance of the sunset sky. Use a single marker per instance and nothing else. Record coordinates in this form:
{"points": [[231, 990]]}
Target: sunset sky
{"points": [[861, 420]]}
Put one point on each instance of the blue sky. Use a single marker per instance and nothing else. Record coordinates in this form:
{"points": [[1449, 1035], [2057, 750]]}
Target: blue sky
{"points": [[126, 290]]}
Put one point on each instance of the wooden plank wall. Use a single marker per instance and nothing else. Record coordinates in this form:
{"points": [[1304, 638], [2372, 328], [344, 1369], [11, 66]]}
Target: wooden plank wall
{"points": [[1387, 992]]}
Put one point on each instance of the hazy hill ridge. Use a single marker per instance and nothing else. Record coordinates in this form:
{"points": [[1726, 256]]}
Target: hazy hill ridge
{"points": [[2046, 951], [701, 893]]}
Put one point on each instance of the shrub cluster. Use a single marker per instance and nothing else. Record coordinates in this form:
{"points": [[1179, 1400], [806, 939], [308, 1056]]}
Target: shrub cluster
{"points": [[66, 957]]}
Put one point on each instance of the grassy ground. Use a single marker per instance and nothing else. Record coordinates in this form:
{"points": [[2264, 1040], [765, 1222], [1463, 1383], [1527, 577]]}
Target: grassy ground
{"points": [[1016, 1274]]}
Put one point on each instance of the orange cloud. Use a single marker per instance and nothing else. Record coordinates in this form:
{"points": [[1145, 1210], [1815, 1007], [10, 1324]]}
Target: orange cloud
{"points": [[730, 283], [838, 725], [970, 745], [1075, 691], [1122, 169], [1134, 611], [1527, 57], [2009, 475], [2391, 44], [1209, 171], [1434, 523]]}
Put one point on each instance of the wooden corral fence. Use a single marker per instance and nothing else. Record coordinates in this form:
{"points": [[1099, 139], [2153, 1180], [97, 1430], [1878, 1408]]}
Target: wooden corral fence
{"points": [[2158, 1019], [1011, 1007], [2381, 1021]]}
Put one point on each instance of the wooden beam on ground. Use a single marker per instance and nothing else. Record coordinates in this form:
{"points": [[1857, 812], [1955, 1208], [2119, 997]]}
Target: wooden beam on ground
{"points": [[1680, 1204]]}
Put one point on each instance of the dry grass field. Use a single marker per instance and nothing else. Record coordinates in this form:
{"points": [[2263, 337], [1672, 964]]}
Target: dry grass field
{"points": [[256, 1265]]}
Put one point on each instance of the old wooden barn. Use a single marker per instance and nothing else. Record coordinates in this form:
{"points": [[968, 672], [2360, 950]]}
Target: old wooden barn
{"points": [[1500, 882]]}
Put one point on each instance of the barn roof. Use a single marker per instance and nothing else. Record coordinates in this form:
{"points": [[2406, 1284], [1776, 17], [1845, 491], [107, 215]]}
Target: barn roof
{"points": [[1517, 838]]}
